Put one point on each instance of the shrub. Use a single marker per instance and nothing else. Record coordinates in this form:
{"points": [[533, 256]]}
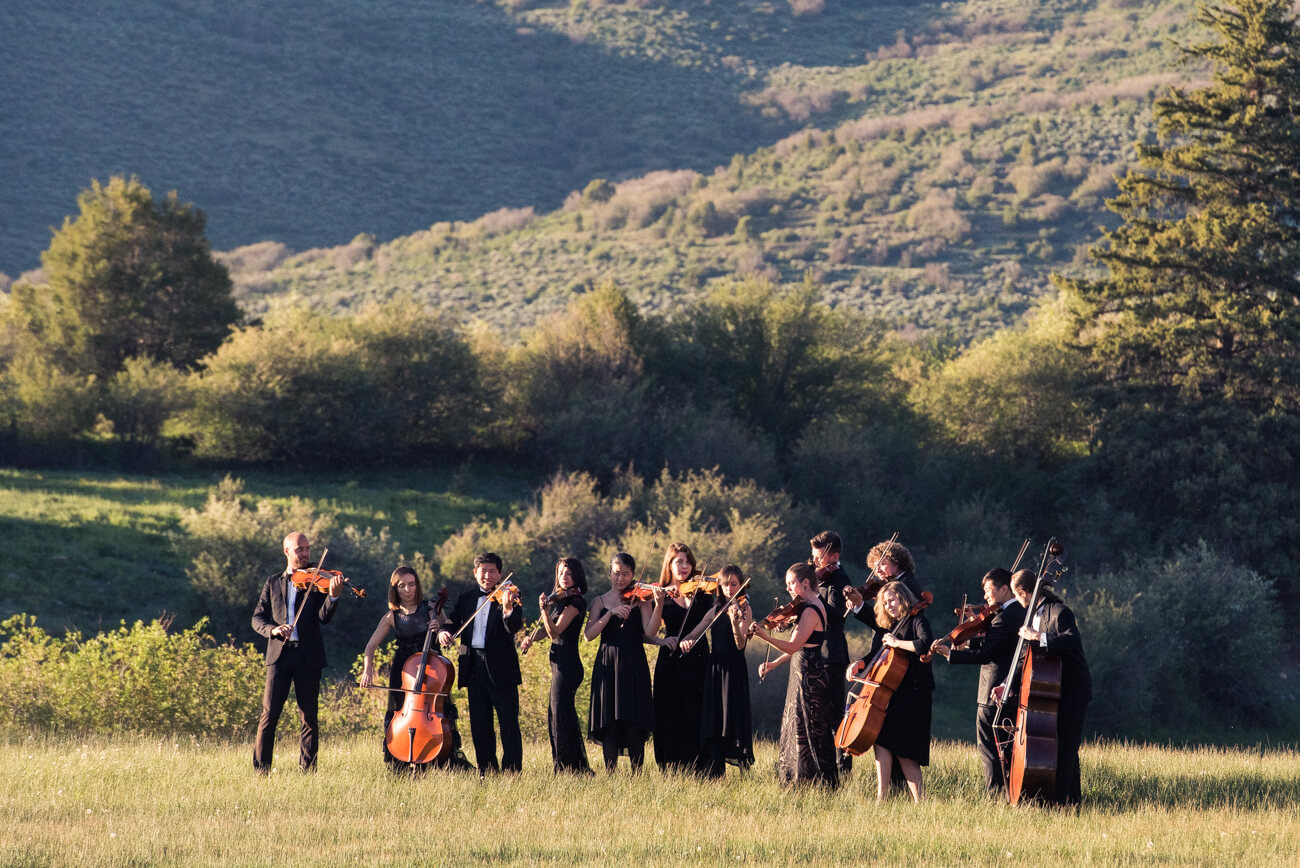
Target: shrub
{"points": [[232, 544], [1145, 632], [142, 679]]}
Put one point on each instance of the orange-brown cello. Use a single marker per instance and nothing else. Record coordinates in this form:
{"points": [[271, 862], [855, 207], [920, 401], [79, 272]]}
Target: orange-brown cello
{"points": [[865, 713], [1032, 768], [419, 733]]}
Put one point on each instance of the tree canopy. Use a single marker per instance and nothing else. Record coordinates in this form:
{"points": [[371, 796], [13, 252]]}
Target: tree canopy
{"points": [[128, 277], [1193, 331]]}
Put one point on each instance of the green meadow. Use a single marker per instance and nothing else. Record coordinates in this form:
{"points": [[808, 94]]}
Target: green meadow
{"points": [[136, 801]]}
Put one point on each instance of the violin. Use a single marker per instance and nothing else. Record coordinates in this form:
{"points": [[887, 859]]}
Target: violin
{"points": [[977, 624], [553, 597], [692, 586], [318, 579], [638, 591], [506, 592], [780, 618]]}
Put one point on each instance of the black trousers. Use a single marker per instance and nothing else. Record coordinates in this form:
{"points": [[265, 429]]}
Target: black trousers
{"points": [[289, 670], [986, 742], [485, 699], [1069, 735], [835, 706]]}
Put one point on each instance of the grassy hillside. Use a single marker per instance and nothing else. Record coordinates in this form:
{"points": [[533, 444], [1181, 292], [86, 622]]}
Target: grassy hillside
{"points": [[88, 550], [953, 154], [940, 178], [309, 122]]}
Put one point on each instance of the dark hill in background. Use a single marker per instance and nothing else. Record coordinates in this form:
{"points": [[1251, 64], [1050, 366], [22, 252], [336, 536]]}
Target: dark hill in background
{"points": [[954, 155], [307, 123]]}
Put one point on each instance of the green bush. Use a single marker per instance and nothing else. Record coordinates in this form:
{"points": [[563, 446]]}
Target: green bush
{"points": [[390, 381], [143, 679], [232, 544], [1181, 643]]}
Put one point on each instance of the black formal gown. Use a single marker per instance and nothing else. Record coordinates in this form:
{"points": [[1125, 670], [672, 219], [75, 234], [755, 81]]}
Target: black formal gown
{"points": [[679, 689], [411, 630], [726, 729], [568, 751], [621, 703], [905, 731], [806, 748]]}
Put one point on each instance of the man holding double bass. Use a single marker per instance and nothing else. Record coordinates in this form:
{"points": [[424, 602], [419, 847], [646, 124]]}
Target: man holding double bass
{"points": [[1052, 628], [993, 654]]}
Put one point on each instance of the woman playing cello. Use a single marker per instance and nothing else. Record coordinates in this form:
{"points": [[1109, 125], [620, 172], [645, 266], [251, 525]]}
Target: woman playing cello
{"points": [[905, 732], [408, 616], [806, 746]]}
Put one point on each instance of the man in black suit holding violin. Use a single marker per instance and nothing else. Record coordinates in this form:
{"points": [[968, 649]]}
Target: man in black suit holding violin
{"points": [[994, 656], [825, 551], [489, 664], [290, 618]]}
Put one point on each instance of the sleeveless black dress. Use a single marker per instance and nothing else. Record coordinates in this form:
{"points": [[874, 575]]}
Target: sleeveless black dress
{"points": [[725, 716], [806, 749], [679, 689], [411, 630], [620, 682], [568, 750]]}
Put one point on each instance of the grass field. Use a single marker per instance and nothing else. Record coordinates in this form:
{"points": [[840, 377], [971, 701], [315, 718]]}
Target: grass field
{"points": [[142, 802], [88, 549]]}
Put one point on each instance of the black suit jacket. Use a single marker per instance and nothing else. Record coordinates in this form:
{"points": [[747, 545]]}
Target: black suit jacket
{"points": [[994, 654], [1063, 639], [272, 611], [836, 647], [498, 644]]}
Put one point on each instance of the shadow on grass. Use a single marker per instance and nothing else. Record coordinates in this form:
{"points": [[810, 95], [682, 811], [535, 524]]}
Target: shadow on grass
{"points": [[1110, 786]]}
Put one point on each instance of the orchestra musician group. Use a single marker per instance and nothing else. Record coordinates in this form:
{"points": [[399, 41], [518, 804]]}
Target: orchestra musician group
{"points": [[695, 707]]}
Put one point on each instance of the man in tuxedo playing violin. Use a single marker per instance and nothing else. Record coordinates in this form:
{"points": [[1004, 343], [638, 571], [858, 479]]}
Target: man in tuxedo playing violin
{"points": [[290, 619], [489, 665], [826, 548], [994, 656]]}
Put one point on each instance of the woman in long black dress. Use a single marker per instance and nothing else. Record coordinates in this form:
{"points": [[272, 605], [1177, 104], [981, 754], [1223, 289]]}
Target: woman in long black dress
{"points": [[408, 616], [806, 746], [622, 710], [726, 729], [680, 675], [563, 611], [905, 732]]}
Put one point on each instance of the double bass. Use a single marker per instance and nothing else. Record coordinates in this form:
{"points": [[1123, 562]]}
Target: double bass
{"points": [[1032, 768], [419, 732], [864, 713]]}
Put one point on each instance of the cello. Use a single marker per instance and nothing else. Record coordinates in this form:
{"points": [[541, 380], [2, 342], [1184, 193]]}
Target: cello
{"points": [[1032, 767], [419, 732], [864, 713]]}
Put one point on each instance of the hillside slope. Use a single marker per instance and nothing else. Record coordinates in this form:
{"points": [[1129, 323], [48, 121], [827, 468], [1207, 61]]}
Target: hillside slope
{"points": [[309, 122], [940, 179]]}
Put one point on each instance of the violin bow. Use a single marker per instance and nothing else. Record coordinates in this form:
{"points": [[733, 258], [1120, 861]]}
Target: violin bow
{"points": [[1024, 547], [767, 658], [688, 608], [504, 583], [725, 606], [303, 607]]}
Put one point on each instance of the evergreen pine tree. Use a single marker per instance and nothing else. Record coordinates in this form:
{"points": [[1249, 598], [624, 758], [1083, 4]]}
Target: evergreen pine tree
{"points": [[1194, 329]]}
